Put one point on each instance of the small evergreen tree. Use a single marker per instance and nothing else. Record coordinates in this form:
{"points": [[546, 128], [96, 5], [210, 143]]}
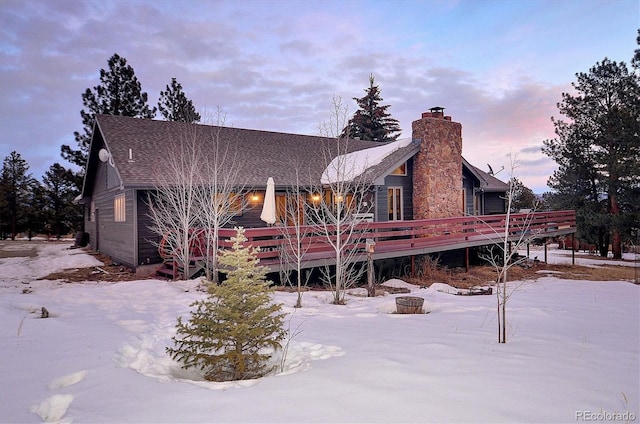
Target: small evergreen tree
{"points": [[372, 122], [232, 333], [175, 106]]}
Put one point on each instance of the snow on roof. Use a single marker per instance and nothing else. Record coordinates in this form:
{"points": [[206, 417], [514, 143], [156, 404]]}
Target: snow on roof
{"points": [[348, 166]]}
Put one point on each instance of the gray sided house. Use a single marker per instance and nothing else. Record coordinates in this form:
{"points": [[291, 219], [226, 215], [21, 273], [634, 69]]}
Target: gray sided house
{"points": [[424, 177]]}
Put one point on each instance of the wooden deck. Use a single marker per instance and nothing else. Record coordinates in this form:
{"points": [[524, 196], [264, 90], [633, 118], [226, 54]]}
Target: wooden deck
{"points": [[408, 238]]}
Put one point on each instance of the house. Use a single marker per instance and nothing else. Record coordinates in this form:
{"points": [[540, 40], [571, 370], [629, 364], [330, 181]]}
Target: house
{"points": [[418, 178]]}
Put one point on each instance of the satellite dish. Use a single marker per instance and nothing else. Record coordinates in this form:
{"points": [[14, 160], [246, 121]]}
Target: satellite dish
{"points": [[104, 155]]}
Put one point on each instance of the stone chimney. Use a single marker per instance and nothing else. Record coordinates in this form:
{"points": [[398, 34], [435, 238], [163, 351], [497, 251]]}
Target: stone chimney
{"points": [[437, 169]]}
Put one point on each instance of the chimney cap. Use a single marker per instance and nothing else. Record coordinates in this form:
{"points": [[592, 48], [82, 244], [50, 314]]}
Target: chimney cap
{"points": [[436, 109]]}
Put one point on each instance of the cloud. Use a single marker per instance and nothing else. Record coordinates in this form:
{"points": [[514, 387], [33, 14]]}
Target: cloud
{"points": [[277, 65]]}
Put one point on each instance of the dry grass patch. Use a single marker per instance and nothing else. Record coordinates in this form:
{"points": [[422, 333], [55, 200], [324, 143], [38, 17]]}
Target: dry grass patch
{"points": [[486, 275], [600, 273]]}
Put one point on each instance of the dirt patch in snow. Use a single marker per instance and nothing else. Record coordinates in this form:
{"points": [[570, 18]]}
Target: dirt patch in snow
{"points": [[110, 271]]}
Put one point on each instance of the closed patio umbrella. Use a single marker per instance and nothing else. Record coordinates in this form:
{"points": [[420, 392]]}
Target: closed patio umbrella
{"points": [[268, 214]]}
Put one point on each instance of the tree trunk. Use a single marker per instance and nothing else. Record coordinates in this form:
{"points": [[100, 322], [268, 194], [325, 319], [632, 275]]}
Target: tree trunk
{"points": [[603, 242], [616, 239]]}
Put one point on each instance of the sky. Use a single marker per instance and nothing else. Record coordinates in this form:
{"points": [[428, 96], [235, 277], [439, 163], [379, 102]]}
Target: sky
{"points": [[498, 67], [571, 354]]}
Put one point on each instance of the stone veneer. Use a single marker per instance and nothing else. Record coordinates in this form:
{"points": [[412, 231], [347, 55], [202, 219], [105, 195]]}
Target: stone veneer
{"points": [[437, 172]]}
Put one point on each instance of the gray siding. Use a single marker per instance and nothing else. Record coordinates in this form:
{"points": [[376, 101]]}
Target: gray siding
{"points": [[116, 239], [147, 239], [493, 203], [468, 186], [406, 183]]}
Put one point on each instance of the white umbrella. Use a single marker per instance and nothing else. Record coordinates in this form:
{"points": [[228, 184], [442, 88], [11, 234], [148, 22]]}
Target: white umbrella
{"points": [[268, 214]]}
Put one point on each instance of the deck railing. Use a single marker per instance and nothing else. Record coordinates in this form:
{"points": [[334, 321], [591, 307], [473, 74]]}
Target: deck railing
{"points": [[406, 238]]}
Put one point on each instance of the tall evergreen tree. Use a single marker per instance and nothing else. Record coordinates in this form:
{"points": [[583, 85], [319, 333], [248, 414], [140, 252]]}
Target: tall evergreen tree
{"points": [[372, 121], [597, 151], [63, 215], [175, 106], [119, 93], [231, 333], [36, 216], [636, 57], [15, 182]]}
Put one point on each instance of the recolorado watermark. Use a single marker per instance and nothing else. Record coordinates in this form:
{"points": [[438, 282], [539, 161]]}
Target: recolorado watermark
{"points": [[604, 416]]}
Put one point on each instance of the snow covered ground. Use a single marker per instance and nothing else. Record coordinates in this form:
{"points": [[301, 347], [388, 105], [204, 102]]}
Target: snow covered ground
{"points": [[572, 354]]}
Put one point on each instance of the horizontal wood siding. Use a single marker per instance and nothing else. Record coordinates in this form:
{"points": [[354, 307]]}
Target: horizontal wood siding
{"points": [[147, 239], [493, 203], [403, 181], [117, 239]]}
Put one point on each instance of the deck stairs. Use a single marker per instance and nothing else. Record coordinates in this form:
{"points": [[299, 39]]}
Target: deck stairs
{"points": [[173, 269]]}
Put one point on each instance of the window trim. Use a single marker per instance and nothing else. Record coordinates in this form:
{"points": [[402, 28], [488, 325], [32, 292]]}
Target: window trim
{"points": [[120, 208], [401, 172], [398, 215]]}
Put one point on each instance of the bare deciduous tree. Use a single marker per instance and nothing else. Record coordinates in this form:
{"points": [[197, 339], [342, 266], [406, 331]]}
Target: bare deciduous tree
{"points": [[221, 196], [295, 234], [338, 214], [198, 191], [173, 203], [503, 254]]}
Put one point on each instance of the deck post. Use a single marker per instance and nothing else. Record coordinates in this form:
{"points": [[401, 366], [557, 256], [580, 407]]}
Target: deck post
{"points": [[466, 259], [413, 265], [545, 251], [371, 291], [527, 250], [573, 249]]}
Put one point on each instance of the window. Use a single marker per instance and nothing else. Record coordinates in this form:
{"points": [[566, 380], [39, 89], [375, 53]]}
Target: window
{"points": [[92, 212], [401, 170], [464, 202], [286, 205], [119, 214], [232, 203], [394, 203]]}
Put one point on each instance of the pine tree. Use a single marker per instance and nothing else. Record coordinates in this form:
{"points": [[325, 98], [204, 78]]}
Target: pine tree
{"points": [[119, 93], [175, 106], [35, 218], [15, 182], [60, 191], [231, 333], [372, 122], [523, 196], [597, 150], [635, 62]]}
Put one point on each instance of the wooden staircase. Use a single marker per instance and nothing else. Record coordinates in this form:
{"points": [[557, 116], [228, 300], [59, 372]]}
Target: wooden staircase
{"points": [[172, 269]]}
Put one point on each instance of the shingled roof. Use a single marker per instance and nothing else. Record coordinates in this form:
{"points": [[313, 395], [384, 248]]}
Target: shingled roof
{"points": [[261, 154], [488, 182], [139, 147]]}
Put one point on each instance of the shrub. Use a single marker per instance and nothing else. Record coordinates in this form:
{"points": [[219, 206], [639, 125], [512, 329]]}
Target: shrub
{"points": [[233, 333]]}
